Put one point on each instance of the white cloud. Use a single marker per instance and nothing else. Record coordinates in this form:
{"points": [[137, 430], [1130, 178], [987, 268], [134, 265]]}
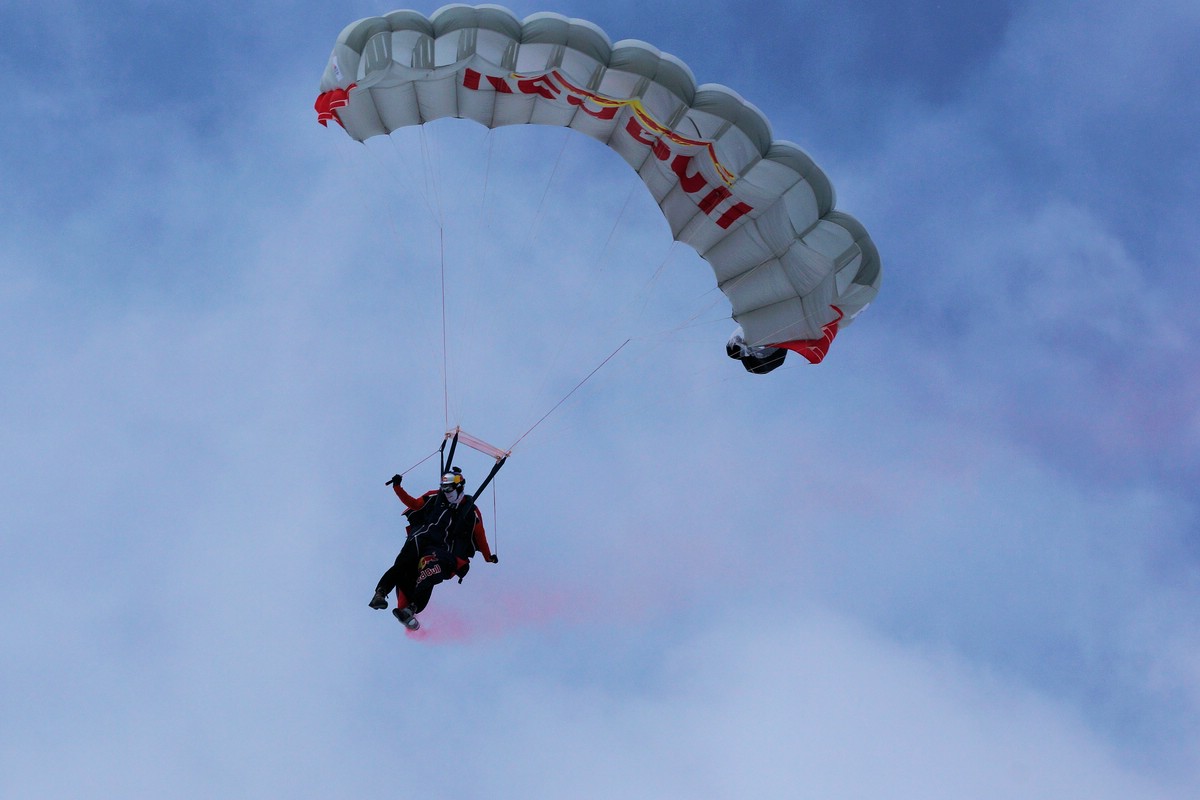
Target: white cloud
{"points": [[797, 706]]}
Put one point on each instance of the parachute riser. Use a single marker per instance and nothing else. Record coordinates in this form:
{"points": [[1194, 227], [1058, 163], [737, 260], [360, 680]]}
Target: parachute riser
{"points": [[495, 468], [448, 461]]}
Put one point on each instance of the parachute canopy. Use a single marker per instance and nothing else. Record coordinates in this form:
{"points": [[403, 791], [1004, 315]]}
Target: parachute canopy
{"points": [[759, 210]]}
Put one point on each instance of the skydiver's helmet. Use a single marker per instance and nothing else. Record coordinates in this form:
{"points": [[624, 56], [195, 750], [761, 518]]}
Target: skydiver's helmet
{"points": [[453, 484]]}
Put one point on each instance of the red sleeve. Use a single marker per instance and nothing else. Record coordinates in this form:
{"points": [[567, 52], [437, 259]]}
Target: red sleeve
{"points": [[412, 503], [481, 542]]}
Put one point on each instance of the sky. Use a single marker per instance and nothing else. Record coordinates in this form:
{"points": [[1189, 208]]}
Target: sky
{"points": [[959, 558]]}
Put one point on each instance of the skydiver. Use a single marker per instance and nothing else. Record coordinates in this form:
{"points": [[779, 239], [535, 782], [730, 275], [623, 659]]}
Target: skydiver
{"points": [[444, 530]]}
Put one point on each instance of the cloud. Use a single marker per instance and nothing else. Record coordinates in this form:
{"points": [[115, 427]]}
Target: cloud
{"points": [[803, 706], [1036, 251]]}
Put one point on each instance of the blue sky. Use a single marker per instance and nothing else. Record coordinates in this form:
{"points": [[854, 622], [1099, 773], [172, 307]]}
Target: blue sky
{"points": [[960, 558]]}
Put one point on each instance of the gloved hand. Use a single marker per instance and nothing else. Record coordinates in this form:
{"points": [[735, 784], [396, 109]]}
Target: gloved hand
{"points": [[396, 479], [495, 559]]}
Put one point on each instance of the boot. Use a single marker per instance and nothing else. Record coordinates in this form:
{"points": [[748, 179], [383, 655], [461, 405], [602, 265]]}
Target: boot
{"points": [[406, 617], [379, 601]]}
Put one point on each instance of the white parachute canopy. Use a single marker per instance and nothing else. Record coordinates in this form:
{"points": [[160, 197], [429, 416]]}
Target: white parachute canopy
{"points": [[758, 210]]}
